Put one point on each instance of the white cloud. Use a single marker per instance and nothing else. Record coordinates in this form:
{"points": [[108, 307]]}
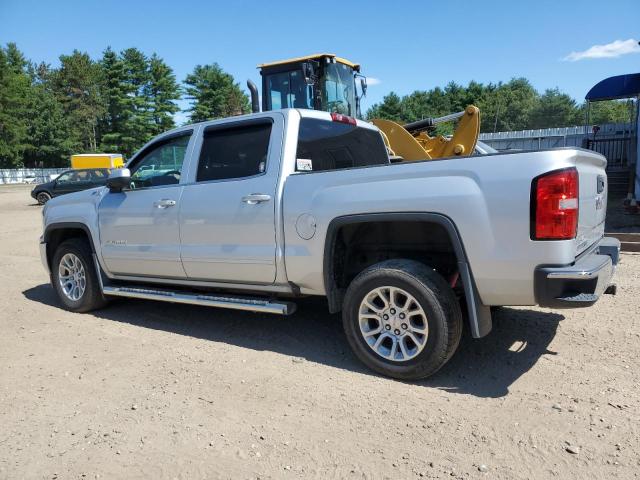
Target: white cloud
{"points": [[371, 81], [610, 50]]}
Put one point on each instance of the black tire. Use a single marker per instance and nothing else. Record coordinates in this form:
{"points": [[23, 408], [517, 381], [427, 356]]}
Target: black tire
{"points": [[43, 197], [434, 296], [92, 298]]}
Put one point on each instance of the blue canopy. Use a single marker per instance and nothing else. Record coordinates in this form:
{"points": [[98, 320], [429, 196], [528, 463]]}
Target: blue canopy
{"points": [[613, 88]]}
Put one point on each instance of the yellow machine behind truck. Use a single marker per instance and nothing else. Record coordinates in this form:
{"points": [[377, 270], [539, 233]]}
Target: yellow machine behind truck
{"points": [[97, 160], [326, 82]]}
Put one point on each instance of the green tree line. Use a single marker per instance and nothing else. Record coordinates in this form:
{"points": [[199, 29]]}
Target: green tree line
{"points": [[514, 105], [115, 103], [119, 101]]}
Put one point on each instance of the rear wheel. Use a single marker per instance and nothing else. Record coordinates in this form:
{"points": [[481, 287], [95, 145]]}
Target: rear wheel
{"points": [[75, 278], [402, 319], [43, 197]]}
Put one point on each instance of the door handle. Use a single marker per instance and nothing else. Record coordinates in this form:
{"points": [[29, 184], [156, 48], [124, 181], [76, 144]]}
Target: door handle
{"points": [[164, 203], [256, 198]]}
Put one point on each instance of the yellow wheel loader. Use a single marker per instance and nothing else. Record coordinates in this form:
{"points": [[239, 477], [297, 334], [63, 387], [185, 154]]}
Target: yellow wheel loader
{"points": [[329, 83]]}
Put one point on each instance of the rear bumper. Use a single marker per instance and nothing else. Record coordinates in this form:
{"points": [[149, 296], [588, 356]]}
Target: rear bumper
{"points": [[581, 283]]}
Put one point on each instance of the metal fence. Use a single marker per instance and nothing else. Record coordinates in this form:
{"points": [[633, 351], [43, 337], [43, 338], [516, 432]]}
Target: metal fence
{"points": [[616, 141], [29, 175], [617, 150]]}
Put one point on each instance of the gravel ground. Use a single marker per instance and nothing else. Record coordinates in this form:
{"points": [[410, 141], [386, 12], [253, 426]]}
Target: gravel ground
{"points": [[619, 218], [150, 390]]}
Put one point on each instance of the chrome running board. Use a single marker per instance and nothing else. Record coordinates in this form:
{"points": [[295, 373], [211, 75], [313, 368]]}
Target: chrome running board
{"points": [[220, 301]]}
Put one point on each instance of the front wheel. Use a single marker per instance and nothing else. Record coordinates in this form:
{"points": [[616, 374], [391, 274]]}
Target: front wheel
{"points": [[43, 197], [75, 278], [402, 319]]}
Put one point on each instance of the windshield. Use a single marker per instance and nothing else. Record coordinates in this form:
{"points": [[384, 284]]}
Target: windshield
{"points": [[338, 92], [336, 86], [288, 90]]}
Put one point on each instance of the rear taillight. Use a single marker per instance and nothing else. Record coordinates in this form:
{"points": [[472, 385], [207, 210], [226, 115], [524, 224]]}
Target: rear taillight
{"points": [[338, 117], [554, 205]]}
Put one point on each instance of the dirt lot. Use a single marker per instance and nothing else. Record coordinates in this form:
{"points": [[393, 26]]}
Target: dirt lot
{"points": [[149, 390]]}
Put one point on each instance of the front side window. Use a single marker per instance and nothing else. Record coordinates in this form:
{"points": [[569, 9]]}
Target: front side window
{"points": [[161, 164], [68, 177], [235, 152], [332, 145]]}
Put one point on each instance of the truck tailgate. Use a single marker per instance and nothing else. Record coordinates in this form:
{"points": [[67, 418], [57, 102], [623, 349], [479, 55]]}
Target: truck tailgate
{"points": [[593, 190]]}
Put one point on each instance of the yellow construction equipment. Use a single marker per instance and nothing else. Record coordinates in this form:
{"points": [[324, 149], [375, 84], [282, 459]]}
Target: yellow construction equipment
{"points": [[97, 160], [326, 82], [411, 141], [321, 81]]}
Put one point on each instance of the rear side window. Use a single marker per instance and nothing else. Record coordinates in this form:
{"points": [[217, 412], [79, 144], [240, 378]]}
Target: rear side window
{"points": [[334, 145], [236, 152]]}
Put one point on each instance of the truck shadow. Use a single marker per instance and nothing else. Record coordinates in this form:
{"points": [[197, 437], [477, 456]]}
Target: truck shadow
{"points": [[483, 368], [486, 367]]}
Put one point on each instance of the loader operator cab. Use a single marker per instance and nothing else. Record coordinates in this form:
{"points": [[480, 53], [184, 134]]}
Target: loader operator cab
{"points": [[317, 82], [332, 84]]}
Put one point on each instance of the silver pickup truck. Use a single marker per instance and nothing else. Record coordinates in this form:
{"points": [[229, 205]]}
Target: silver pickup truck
{"points": [[253, 212]]}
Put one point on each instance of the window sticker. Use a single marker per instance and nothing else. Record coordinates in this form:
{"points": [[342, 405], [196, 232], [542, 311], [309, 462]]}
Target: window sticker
{"points": [[304, 164]]}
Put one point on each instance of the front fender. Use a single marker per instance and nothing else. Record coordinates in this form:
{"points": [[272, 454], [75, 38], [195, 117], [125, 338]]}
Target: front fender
{"points": [[75, 211]]}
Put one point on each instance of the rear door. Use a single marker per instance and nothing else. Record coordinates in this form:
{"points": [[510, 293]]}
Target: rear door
{"points": [[139, 231], [227, 212]]}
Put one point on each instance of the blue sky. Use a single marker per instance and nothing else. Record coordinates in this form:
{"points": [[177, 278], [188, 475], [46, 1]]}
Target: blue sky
{"points": [[404, 45]]}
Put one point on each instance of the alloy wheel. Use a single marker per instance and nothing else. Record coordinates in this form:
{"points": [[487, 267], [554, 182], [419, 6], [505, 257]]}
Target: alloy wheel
{"points": [[393, 323], [72, 278]]}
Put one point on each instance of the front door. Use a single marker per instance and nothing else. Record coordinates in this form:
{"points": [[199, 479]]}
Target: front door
{"points": [[139, 230], [72, 181], [227, 212]]}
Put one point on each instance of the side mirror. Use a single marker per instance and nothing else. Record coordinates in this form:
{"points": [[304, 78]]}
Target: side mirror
{"points": [[118, 179], [309, 73], [363, 86]]}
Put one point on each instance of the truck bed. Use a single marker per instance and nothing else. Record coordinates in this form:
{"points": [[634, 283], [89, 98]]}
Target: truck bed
{"points": [[486, 197]]}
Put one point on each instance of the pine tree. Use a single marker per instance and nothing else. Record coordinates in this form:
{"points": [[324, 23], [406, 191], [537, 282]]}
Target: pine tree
{"points": [[14, 94], [390, 109], [77, 85], [162, 91], [116, 99], [137, 127], [49, 139], [15, 59], [555, 108], [214, 94]]}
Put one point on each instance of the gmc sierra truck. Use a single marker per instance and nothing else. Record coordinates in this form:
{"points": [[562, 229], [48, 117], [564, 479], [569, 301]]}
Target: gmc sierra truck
{"points": [[251, 212]]}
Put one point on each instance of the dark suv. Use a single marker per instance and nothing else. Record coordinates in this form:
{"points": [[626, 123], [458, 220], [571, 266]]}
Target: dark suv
{"points": [[70, 181]]}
